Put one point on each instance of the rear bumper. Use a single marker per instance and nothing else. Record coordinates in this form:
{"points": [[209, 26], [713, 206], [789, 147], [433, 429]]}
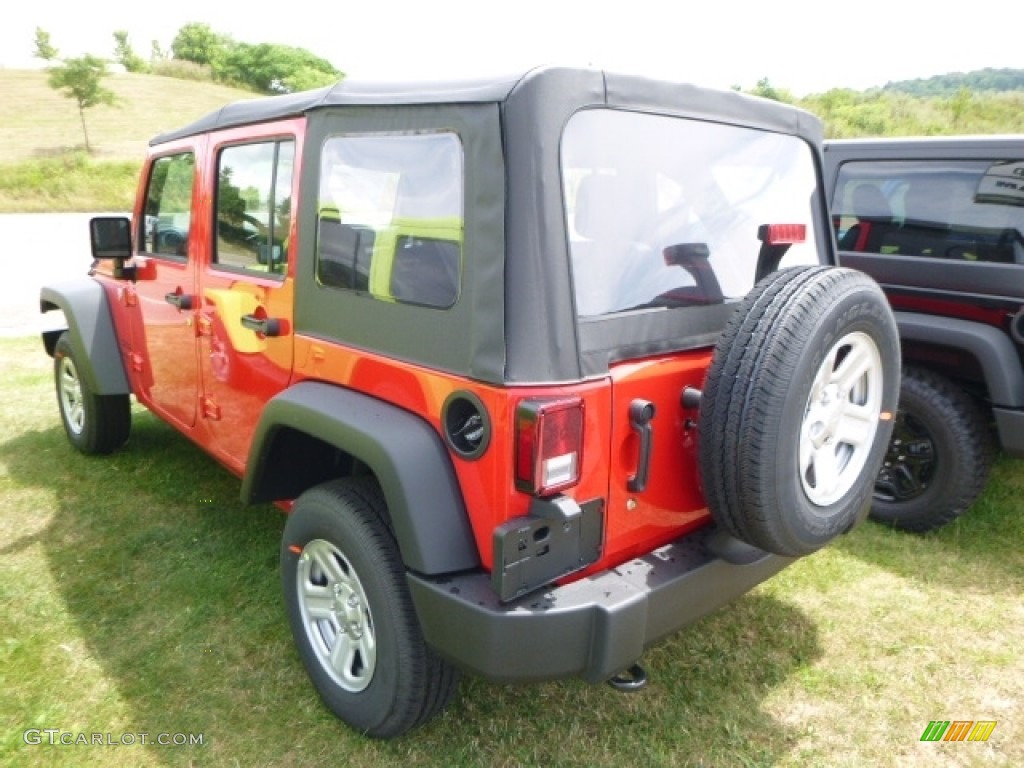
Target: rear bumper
{"points": [[592, 628], [1010, 425]]}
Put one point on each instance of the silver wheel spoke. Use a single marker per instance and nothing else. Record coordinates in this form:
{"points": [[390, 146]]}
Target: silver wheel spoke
{"points": [[840, 419], [857, 426], [336, 615], [318, 601], [858, 362]]}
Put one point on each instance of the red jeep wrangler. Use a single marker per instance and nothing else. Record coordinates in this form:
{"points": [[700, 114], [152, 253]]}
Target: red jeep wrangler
{"points": [[543, 368]]}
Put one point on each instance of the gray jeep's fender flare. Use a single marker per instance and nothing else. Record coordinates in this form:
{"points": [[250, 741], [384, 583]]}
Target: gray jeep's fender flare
{"points": [[993, 350], [90, 331], [425, 505]]}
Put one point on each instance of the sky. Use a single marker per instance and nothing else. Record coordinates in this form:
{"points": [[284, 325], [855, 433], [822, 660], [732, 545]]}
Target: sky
{"points": [[799, 45]]}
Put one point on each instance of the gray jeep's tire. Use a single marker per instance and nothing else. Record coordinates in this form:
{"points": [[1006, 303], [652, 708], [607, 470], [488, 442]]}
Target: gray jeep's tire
{"points": [[353, 621], [797, 408], [94, 424], [939, 456]]}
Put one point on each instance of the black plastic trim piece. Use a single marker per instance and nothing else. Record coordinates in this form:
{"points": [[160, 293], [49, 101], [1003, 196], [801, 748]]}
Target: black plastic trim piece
{"points": [[1010, 426], [992, 348], [91, 332], [402, 450], [592, 628]]}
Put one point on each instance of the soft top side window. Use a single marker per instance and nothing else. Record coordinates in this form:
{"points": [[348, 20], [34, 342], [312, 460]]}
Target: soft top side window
{"points": [[967, 210], [168, 206], [390, 217]]}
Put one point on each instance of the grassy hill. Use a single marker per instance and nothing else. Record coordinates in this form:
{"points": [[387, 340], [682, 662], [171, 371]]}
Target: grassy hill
{"points": [[37, 122]]}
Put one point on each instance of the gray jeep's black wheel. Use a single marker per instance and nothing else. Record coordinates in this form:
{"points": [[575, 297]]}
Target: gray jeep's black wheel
{"points": [[353, 621], [95, 424], [797, 408], [939, 455]]}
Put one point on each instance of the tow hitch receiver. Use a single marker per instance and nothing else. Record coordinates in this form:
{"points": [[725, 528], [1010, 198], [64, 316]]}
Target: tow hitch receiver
{"points": [[630, 681]]}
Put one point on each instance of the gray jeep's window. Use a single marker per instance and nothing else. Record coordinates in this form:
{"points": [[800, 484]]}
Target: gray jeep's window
{"points": [[665, 211], [967, 210], [390, 217], [254, 206], [168, 207]]}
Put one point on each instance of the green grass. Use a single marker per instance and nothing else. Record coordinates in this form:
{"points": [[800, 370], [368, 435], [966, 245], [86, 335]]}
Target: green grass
{"points": [[139, 596]]}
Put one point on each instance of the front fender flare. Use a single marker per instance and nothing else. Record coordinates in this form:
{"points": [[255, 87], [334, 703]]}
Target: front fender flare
{"points": [[403, 451], [90, 331]]}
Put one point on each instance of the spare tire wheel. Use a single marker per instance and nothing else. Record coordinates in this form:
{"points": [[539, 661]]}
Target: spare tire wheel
{"points": [[797, 408]]}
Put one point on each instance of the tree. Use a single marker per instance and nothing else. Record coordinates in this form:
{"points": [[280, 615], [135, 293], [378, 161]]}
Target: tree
{"points": [[766, 90], [125, 55], [275, 68], [44, 48], [198, 43], [960, 105], [81, 80]]}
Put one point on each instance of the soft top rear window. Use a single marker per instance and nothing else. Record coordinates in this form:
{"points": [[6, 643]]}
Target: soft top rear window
{"points": [[664, 212]]}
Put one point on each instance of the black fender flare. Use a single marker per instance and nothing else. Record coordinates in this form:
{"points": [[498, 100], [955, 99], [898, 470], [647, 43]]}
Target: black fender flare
{"points": [[992, 348], [403, 451], [90, 331]]}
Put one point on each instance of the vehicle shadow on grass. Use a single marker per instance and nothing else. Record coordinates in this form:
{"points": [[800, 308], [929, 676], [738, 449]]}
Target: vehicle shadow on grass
{"points": [[983, 548], [173, 587]]}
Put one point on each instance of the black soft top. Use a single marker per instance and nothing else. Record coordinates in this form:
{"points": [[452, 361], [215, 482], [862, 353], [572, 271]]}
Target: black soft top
{"points": [[543, 83]]}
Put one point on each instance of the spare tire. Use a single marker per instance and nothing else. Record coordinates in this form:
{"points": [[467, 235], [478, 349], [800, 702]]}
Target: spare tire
{"points": [[797, 408]]}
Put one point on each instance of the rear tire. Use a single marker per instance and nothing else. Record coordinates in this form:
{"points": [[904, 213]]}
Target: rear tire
{"points": [[939, 456], [353, 621], [94, 424], [797, 408]]}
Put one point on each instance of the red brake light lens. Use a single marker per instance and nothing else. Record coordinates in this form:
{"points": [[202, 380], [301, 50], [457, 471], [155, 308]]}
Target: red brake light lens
{"points": [[783, 234], [549, 444]]}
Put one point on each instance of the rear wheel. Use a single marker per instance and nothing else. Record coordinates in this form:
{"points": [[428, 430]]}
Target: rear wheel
{"points": [[797, 408], [939, 455], [94, 424], [351, 615]]}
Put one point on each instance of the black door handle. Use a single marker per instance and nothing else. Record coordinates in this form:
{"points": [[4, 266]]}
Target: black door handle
{"points": [[179, 300], [641, 412], [268, 326]]}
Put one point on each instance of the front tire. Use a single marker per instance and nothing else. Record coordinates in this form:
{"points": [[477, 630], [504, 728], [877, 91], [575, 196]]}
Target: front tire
{"points": [[797, 408], [353, 621], [939, 456], [94, 424]]}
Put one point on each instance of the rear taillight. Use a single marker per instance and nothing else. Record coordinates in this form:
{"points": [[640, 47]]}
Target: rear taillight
{"points": [[549, 444]]}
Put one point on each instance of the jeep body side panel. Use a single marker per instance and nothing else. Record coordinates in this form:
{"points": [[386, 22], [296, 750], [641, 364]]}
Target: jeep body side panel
{"points": [[91, 331], [592, 628], [407, 456], [465, 339]]}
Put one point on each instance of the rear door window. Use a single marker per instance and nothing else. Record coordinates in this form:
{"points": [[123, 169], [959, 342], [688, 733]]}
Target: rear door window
{"points": [[965, 210]]}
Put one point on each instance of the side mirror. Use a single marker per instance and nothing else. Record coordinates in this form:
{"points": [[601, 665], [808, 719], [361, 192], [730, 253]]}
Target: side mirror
{"points": [[111, 237]]}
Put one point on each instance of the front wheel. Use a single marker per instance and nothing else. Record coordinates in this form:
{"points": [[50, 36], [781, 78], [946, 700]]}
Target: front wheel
{"points": [[939, 455], [353, 621], [94, 424]]}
